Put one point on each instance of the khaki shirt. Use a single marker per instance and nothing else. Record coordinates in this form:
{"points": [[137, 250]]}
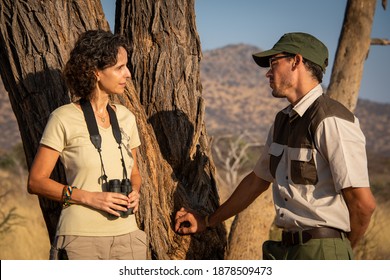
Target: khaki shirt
{"points": [[67, 132], [340, 162]]}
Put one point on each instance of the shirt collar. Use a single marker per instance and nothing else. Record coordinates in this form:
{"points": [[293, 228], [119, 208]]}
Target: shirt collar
{"points": [[301, 107]]}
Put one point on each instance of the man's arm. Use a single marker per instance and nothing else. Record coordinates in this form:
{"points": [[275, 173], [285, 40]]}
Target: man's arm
{"points": [[246, 192], [361, 204]]}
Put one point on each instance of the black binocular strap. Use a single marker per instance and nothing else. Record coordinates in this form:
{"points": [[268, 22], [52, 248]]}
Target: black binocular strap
{"points": [[94, 134], [117, 135], [93, 129]]}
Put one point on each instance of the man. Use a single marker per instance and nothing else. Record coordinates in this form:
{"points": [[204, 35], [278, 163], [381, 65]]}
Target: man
{"points": [[314, 155]]}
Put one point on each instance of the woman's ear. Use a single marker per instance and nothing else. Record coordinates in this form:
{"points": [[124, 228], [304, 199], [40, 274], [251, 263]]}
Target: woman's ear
{"points": [[97, 75]]}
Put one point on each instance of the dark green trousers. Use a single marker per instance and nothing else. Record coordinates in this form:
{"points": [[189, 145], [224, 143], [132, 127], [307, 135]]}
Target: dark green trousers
{"points": [[314, 249]]}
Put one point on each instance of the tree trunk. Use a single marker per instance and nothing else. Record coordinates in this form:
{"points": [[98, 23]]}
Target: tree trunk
{"points": [[352, 51], [176, 163], [251, 228]]}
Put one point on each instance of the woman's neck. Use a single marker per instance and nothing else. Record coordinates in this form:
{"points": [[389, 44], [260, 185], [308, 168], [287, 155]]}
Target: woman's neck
{"points": [[99, 103]]}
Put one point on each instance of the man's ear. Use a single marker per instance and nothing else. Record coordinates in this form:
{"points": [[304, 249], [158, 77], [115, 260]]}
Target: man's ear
{"points": [[297, 59]]}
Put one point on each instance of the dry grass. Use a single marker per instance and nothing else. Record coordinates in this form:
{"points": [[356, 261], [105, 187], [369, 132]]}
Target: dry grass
{"points": [[25, 237], [376, 243]]}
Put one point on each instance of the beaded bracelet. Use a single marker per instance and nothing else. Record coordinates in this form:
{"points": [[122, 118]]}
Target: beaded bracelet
{"points": [[67, 195]]}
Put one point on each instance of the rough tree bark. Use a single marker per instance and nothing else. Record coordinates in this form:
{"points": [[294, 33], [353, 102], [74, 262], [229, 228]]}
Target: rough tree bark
{"points": [[35, 41], [352, 51], [175, 158], [165, 69]]}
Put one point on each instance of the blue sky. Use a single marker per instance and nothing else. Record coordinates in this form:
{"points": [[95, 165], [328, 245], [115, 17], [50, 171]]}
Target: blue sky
{"points": [[262, 22]]}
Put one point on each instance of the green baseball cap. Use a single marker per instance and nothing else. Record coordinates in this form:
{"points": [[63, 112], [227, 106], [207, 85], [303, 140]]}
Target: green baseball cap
{"points": [[296, 43]]}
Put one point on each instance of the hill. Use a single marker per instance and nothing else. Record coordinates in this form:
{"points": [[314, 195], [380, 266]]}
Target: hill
{"points": [[238, 98]]}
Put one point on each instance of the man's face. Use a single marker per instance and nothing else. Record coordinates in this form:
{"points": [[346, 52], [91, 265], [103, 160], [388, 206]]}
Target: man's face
{"points": [[279, 75]]}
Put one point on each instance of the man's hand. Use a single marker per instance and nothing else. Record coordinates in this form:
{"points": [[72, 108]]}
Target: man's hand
{"points": [[188, 221]]}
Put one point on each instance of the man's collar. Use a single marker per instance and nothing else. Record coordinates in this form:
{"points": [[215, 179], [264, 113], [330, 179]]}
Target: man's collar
{"points": [[301, 107]]}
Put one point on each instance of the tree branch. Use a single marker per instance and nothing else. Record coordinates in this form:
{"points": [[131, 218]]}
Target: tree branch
{"points": [[378, 41]]}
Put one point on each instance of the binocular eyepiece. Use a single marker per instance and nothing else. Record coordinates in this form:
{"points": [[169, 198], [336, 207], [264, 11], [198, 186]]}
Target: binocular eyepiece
{"points": [[123, 187]]}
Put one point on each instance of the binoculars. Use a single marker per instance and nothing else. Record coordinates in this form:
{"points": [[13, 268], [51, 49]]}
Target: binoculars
{"points": [[123, 187]]}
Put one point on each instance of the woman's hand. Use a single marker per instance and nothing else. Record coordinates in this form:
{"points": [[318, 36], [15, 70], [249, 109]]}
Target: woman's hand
{"points": [[109, 202]]}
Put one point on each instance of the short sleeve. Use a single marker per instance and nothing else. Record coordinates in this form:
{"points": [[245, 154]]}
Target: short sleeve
{"points": [[54, 134], [342, 144]]}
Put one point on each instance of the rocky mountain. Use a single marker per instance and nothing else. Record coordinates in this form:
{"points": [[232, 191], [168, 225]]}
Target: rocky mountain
{"points": [[237, 99]]}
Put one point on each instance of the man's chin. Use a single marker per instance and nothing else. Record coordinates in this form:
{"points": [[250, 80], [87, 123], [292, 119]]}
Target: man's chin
{"points": [[277, 94]]}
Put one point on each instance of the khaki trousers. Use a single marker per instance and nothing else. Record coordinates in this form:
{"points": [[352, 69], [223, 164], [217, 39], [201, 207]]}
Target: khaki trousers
{"points": [[131, 246]]}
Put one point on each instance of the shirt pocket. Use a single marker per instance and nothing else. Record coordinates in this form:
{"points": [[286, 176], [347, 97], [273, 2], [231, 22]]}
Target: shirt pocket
{"points": [[276, 152], [303, 169]]}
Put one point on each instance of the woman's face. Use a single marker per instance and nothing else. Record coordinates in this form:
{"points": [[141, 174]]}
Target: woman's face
{"points": [[112, 80]]}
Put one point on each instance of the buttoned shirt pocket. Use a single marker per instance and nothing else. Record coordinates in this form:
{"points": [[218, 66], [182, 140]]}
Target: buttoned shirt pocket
{"points": [[302, 166], [276, 152]]}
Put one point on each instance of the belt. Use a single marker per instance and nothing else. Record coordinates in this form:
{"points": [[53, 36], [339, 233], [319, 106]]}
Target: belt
{"points": [[301, 237]]}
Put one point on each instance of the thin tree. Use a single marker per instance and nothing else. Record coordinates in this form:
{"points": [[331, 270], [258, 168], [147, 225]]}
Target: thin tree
{"points": [[231, 152], [352, 51]]}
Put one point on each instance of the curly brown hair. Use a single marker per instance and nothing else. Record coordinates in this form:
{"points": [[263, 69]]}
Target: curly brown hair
{"points": [[94, 50]]}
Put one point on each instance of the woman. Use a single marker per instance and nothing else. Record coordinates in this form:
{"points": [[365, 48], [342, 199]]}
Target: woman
{"points": [[92, 224]]}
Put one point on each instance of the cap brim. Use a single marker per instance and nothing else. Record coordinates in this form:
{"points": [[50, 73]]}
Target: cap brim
{"points": [[262, 58]]}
